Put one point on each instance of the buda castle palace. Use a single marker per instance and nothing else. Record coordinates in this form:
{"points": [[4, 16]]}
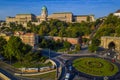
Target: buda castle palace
{"points": [[63, 16]]}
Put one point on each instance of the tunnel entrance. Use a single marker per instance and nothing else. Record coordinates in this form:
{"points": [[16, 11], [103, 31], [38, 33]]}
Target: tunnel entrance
{"points": [[111, 46]]}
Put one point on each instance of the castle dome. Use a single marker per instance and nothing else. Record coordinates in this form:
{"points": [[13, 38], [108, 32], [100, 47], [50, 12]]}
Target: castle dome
{"points": [[44, 8]]}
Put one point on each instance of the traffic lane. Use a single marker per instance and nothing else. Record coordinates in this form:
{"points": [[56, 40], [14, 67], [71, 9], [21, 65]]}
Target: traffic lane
{"points": [[72, 74], [62, 73], [8, 74], [66, 68], [51, 54], [69, 69], [57, 60]]}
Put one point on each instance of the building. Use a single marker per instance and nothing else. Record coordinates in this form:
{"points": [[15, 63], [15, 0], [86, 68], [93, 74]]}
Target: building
{"points": [[5, 36], [63, 16], [21, 18], [2, 23], [111, 43], [28, 38], [80, 18], [44, 14], [117, 13], [70, 40]]}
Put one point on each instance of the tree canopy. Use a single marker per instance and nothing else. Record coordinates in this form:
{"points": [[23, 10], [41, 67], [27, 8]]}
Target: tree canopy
{"points": [[60, 28], [110, 27], [3, 42], [15, 48]]}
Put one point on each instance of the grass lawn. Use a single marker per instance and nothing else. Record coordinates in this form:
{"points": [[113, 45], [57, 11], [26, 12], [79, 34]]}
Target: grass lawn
{"points": [[95, 66], [47, 76]]}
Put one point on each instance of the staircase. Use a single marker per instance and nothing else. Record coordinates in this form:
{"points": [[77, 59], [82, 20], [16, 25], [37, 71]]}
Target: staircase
{"points": [[94, 32]]}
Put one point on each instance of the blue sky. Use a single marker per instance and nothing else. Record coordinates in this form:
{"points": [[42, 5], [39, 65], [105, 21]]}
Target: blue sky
{"points": [[99, 8]]}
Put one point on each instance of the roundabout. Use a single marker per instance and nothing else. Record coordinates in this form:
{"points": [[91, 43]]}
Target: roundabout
{"points": [[95, 66]]}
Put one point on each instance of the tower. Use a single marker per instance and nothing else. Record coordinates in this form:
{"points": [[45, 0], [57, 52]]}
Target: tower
{"points": [[44, 13]]}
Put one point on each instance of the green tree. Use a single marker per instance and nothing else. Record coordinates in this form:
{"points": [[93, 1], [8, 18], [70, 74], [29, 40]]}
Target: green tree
{"points": [[117, 30], [88, 18], [27, 59], [15, 48], [94, 45], [62, 32], [78, 47], [96, 42], [109, 26], [44, 29], [43, 44], [3, 42], [54, 32], [92, 48], [84, 40], [66, 45], [29, 24]]}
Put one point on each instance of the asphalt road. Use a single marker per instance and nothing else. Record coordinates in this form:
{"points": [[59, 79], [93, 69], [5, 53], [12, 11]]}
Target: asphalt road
{"points": [[62, 57], [55, 57], [60, 61], [8, 74]]}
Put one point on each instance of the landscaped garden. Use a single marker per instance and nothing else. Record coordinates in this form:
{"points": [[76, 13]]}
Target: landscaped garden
{"points": [[95, 66]]}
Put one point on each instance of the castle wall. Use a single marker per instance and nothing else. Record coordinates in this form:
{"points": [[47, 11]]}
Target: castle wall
{"points": [[105, 41], [63, 16], [67, 17], [70, 40]]}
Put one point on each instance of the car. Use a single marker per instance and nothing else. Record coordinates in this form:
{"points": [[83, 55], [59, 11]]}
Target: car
{"points": [[70, 68], [65, 61], [113, 60], [67, 76]]}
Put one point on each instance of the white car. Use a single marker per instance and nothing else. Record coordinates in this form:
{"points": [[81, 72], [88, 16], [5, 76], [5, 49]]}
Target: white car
{"points": [[67, 76]]}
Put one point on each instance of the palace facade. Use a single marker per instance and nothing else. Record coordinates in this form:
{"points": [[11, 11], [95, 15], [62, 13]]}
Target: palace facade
{"points": [[117, 13], [63, 16]]}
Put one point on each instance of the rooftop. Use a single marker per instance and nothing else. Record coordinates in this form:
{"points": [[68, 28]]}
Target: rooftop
{"points": [[118, 11], [81, 15], [25, 14], [44, 8], [63, 13]]}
